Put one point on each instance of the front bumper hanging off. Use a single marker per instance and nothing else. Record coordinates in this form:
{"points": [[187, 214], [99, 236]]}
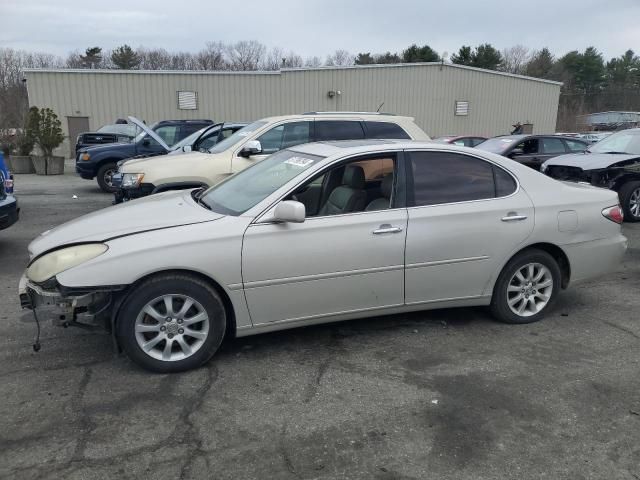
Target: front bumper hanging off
{"points": [[68, 308]]}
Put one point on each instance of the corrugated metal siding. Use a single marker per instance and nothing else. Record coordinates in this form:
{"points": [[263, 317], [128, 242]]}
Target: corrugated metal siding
{"points": [[427, 92]]}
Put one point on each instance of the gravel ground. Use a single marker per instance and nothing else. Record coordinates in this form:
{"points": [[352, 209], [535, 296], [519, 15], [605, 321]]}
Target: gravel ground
{"points": [[446, 394]]}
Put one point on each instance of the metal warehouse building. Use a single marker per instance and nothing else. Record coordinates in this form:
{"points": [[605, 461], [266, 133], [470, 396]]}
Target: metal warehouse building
{"points": [[443, 98]]}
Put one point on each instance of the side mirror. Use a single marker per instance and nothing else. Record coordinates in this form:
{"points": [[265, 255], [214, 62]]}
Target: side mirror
{"points": [[146, 142], [289, 211], [186, 148], [252, 147], [516, 152]]}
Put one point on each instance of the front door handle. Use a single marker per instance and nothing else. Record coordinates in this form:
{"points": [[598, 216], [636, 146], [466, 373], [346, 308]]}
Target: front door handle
{"points": [[386, 228], [514, 218]]}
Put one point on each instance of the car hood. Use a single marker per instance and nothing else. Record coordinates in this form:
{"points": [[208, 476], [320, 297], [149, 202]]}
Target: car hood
{"points": [[164, 210], [138, 165], [108, 147], [589, 161]]}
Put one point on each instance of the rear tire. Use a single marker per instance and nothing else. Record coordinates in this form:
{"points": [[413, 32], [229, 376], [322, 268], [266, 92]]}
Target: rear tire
{"points": [[629, 195], [526, 288], [104, 176], [172, 323]]}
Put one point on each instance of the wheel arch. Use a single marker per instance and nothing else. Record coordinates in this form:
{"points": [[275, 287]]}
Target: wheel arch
{"points": [[556, 252], [226, 300], [627, 177]]}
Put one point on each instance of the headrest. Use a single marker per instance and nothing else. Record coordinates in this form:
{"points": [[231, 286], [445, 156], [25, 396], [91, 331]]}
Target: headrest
{"points": [[386, 185], [353, 177]]}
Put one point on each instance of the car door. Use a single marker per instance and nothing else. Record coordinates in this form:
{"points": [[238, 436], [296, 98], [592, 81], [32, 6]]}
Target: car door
{"points": [[282, 135], [327, 266], [551, 147], [466, 216]]}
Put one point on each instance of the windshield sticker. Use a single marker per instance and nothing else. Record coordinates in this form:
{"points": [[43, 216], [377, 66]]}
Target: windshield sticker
{"points": [[506, 140], [299, 162]]}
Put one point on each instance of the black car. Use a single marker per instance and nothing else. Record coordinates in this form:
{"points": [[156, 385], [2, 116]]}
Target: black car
{"points": [[9, 211], [613, 163], [100, 161], [116, 133], [532, 150]]}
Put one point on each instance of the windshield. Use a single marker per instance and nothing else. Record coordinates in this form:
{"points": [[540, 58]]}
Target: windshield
{"points": [[236, 137], [246, 189], [496, 145], [118, 128], [626, 141]]}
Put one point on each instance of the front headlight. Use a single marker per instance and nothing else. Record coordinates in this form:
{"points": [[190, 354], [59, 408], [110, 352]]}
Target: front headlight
{"points": [[57, 262], [131, 180]]}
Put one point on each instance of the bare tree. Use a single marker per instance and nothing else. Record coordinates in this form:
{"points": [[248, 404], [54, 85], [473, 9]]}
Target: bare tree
{"points": [[313, 62], [212, 56], [245, 55], [515, 59], [340, 58], [273, 60], [154, 59]]}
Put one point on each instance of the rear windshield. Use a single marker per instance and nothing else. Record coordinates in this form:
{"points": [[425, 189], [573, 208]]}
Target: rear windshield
{"points": [[496, 145]]}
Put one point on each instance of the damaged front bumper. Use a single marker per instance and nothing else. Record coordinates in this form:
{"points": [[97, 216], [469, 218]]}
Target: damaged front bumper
{"points": [[68, 307]]}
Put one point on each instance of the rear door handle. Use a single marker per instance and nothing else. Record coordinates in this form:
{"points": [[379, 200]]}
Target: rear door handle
{"points": [[386, 228], [514, 218]]}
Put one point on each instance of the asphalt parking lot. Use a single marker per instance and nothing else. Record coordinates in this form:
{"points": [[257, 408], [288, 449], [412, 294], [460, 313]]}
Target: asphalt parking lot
{"points": [[445, 394]]}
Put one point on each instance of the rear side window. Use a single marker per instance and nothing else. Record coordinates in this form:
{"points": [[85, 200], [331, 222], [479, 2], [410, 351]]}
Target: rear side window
{"points": [[385, 130], [553, 145], [338, 130], [443, 177]]}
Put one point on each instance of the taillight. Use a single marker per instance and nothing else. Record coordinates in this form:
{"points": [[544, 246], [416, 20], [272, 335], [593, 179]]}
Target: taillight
{"points": [[613, 213]]}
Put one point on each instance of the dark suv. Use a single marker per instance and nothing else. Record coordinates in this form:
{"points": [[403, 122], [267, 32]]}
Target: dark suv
{"points": [[100, 161], [532, 150]]}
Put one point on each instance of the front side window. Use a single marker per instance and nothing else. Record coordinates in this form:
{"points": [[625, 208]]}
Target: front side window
{"points": [[249, 187], [444, 177], [553, 145], [385, 130], [285, 136], [328, 130], [530, 146], [168, 133], [240, 135]]}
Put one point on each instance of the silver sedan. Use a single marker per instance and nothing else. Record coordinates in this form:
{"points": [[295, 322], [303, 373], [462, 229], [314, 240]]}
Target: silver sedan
{"points": [[320, 233]]}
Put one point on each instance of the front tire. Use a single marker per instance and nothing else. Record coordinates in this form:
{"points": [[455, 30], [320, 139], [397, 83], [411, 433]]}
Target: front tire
{"points": [[171, 323], [629, 195], [105, 176], [526, 288]]}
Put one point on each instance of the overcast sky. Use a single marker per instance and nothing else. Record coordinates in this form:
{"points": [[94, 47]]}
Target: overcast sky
{"points": [[319, 27]]}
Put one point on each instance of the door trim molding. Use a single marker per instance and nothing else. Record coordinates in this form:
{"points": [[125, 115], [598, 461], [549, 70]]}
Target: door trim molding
{"points": [[447, 262]]}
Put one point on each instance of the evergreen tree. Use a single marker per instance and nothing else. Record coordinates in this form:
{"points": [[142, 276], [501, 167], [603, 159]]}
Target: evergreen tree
{"points": [[125, 58]]}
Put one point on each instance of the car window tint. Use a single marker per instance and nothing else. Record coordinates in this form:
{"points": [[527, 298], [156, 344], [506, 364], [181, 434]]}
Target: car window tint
{"points": [[338, 130], [168, 133], [284, 136], [476, 141], [530, 146], [385, 130], [553, 145], [575, 146], [442, 177], [376, 169], [505, 184]]}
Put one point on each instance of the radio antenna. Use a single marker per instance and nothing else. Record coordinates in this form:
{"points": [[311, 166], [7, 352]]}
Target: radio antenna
{"points": [[378, 110]]}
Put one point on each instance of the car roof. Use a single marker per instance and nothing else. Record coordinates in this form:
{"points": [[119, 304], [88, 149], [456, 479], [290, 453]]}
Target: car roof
{"points": [[341, 116]]}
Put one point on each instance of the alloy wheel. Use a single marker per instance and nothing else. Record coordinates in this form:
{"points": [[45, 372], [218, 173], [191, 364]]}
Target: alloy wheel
{"points": [[529, 289], [634, 203], [171, 327], [108, 176]]}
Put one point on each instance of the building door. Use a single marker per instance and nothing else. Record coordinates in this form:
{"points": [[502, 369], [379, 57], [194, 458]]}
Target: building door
{"points": [[76, 126]]}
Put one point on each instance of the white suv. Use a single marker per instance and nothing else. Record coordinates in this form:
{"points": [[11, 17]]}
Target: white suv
{"points": [[141, 177]]}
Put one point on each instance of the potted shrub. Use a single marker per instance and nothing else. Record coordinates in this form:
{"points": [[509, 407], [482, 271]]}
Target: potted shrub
{"points": [[46, 130], [21, 162]]}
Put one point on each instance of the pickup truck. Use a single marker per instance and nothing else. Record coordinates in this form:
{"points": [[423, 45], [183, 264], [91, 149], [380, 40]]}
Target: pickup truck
{"points": [[116, 133], [100, 162]]}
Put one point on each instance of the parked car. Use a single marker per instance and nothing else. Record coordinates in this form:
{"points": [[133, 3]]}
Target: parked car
{"points": [[100, 161], [532, 150], [6, 178], [255, 142], [115, 133], [319, 233], [462, 141], [200, 141], [9, 211], [612, 163]]}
